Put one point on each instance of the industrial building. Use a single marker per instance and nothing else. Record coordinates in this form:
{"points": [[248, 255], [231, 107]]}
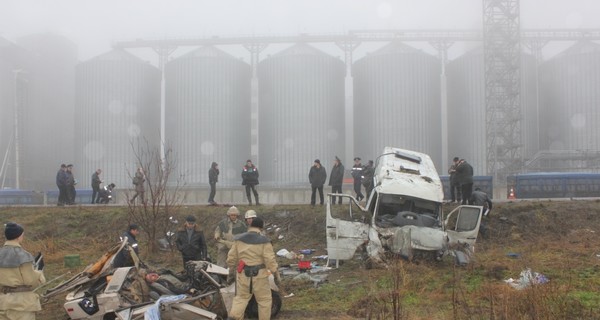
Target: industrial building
{"points": [[300, 99], [301, 114], [118, 99], [207, 114], [397, 102]]}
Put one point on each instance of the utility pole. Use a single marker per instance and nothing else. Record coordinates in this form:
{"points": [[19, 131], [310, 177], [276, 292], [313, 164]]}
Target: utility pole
{"points": [[502, 64], [18, 99]]}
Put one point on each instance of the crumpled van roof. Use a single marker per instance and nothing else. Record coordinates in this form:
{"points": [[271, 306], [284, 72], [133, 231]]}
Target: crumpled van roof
{"points": [[409, 173]]}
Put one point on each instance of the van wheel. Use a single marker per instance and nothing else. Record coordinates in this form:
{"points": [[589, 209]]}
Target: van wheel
{"points": [[109, 316], [410, 216], [252, 308]]}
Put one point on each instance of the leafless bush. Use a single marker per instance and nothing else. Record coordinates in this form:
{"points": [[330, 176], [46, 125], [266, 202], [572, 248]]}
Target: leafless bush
{"points": [[161, 198]]}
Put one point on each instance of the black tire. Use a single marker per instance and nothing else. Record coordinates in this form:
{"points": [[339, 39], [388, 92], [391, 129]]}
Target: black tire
{"points": [[252, 308], [410, 216], [109, 316]]}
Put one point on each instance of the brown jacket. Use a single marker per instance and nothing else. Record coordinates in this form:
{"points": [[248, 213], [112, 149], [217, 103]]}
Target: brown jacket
{"points": [[253, 255], [16, 269]]}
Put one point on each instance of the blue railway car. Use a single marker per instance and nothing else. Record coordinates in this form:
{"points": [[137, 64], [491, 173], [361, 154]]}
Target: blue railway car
{"points": [[18, 197], [555, 185], [485, 183]]}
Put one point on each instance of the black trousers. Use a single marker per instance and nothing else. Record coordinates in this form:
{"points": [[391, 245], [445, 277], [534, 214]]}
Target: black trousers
{"points": [[213, 191], [62, 195], [466, 190], [455, 192], [357, 187], [253, 188], [313, 196], [336, 189], [95, 194]]}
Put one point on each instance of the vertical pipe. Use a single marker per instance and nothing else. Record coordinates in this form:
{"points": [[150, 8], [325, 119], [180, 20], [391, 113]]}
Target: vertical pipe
{"points": [[16, 124]]}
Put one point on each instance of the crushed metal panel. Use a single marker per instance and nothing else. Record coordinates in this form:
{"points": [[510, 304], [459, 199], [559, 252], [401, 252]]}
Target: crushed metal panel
{"points": [[344, 237], [420, 238]]}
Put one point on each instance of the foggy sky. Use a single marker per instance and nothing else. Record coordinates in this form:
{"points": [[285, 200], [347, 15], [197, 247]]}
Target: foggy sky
{"points": [[94, 24]]}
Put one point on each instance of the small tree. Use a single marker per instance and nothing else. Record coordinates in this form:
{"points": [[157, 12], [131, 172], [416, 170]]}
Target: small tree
{"points": [[161, 197]]}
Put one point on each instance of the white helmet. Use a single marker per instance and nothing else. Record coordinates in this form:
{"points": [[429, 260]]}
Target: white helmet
{"points": [[250, 214]]}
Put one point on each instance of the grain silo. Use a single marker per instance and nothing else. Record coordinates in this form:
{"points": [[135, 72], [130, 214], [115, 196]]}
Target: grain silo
{"points": [[118, 104], [397, 102], [208, 114], [569, 99], [467, 111], [301, 114], [13, 84], [50, 100]]}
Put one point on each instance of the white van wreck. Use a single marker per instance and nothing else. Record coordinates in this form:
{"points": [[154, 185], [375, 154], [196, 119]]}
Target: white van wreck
{"points": [[403, 215]]}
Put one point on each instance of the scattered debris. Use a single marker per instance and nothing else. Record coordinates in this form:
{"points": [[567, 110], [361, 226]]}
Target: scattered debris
{"points": [[526, 279]]}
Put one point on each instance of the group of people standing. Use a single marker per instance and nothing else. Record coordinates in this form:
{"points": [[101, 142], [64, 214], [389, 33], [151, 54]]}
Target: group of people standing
{"points": [[461, 181], [362, 176], [65, 181], [249, 181]]}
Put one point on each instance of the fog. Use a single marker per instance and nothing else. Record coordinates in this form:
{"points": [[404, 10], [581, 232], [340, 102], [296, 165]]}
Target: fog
{"points": [[42, 82], [94, 25]]}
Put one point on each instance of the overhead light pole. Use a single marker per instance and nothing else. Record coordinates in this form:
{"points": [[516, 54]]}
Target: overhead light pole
{"points": [[18, 99]]}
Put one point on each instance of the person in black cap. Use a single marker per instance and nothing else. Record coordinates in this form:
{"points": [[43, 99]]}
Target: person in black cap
{"points": [[190, 241], [18, 277], [336, 179], [357, 175], [317, 177], [123, 258], [250, 180]]}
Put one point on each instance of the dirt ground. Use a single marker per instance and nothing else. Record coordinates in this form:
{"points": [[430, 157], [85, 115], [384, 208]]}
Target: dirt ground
{"points": [[551, 236]]}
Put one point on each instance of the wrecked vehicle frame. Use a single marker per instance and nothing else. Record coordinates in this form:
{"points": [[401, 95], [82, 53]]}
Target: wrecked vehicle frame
{"points": [[403, 215]]}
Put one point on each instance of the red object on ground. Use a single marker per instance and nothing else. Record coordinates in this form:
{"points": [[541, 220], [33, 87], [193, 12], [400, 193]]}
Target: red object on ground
{"points": [[304, 265]]}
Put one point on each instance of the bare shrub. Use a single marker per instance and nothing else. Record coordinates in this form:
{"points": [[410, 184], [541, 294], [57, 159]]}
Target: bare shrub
{"points": [[161, 198]]}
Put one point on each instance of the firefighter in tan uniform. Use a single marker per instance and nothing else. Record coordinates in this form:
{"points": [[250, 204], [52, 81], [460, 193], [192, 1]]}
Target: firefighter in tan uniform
{"points": [[250, 261], [224, 233], [18, 278]]}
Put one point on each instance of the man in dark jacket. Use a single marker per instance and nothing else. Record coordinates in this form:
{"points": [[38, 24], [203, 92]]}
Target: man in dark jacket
{"points": [[357, 175], [336, 179], [123, 258], [96, 186], [317, 177], [61, 183], [480, 198], [191, 242], [455, 192], [213, 177], [464, 176], [70, 185], [250, 180], [367, 178]]}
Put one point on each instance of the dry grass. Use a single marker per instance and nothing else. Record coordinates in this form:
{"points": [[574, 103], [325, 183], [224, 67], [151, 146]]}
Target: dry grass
{"points": [[557, 239]]}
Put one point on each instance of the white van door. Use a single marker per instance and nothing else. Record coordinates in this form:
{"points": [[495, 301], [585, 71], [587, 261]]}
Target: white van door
{"points": [[462, 224], [347, 227]]}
